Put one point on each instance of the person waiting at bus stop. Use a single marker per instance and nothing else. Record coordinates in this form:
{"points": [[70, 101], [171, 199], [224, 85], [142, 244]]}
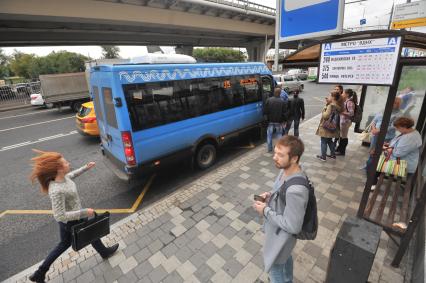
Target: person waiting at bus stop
{"points": [[276, 112]]}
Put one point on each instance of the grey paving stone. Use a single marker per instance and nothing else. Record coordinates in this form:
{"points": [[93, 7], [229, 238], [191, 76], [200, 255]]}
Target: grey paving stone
{"points": [[204, 273], [232, 267], [71, 273], [142, 231], [192, 233], [143, 269], [216, 228], [173, 277], [142, 255], [132, 249], [129, 277], [187, 213], [182, 241], [197, 207], [209, 249], [229, 232], [130, 239], [168, 226], [226, 252], [322, 262], [195, 244], [186, 205], [99, 269], [198, 216], [330, 225], [206, 210], [155, 246], [166, 238], [157, 233], [165, 217], [240, 208], [198, 259], [169, 250], [312, 249], [146, 279], [144, 241], [258, 260], [57, 279], [252, 247], [88, 264], [183, 254], [157, 274], [113, 274], [245, 234], [88, 276], [225, 221], [188, 223], [220, 212], [211, 219], [154, 224]]}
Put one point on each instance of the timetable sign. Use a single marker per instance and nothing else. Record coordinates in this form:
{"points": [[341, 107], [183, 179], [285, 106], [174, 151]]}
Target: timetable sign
{"points": [[367, 61]]}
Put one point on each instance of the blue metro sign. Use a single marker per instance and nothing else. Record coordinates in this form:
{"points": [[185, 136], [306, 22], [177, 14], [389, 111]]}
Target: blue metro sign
{"points": [[300, 19]]}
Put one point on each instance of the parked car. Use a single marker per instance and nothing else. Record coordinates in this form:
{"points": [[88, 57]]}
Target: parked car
{"points": [[23, 89], [86, 120], [299, 73], [289, 83], [6, 92], [37, 100]]}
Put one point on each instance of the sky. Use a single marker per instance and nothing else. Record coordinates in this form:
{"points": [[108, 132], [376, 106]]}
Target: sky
{"points": [[376, 12]]}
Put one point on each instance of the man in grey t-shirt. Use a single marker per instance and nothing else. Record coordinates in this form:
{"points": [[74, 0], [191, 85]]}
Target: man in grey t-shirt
{"points": [[283, 220]]}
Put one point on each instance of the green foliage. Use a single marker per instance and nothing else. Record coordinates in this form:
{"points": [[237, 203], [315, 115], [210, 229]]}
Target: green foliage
{"points": [[413, 76], [4, 65], [110, 52], [31, 66], [218, 54]]}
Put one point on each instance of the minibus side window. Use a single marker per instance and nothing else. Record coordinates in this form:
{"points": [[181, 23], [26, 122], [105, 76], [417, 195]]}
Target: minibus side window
{"points": [[100, 114], [109, 107], [251, 89]]}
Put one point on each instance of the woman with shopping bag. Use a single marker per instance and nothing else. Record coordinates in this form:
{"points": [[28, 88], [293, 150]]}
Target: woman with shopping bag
{"points": [[52, 171]]}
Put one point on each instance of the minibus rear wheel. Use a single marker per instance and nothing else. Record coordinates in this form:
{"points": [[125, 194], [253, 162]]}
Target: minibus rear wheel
{"points": [[205, 155]]}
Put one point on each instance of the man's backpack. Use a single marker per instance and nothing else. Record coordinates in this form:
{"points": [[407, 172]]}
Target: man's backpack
{"points": [[357, 117], [332, 123], [310, 220]]}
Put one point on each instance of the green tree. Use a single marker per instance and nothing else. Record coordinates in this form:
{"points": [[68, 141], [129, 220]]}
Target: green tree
{"points": [[24, 65], [4, 65], [218, 54], [110, 52]]}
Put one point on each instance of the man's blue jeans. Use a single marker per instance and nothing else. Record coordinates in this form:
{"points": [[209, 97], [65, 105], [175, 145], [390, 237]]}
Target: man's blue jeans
{"points": [[296, 127], [282, 273], [331, 145], [274, 130]]}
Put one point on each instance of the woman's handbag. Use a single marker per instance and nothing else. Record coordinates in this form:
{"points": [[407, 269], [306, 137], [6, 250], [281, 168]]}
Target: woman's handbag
{"points": [[393, 167], [365, 136], [89, 230], [332, 123]]}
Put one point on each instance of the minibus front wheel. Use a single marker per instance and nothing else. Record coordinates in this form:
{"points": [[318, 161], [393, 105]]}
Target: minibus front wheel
{"points": [[205, 155]]}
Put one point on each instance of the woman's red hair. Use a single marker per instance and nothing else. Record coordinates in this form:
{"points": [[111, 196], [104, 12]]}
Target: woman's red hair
{"points": [[45, 168]]}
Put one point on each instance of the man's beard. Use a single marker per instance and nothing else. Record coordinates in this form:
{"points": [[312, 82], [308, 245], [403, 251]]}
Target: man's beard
{"points": [[284, 167]]}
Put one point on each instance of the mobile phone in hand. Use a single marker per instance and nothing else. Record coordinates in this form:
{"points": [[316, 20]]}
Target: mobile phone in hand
{"points": [[259, 198]]}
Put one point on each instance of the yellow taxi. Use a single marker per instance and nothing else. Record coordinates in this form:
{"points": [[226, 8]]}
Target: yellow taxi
{"points": [[86, 120]]}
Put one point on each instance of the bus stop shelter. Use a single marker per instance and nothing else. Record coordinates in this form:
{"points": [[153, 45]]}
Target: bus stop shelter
{"points": [[395, 199]]}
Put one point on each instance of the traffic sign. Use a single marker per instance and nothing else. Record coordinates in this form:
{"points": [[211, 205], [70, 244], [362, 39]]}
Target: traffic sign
{"points": [[301, 19], [366, 61], [409, 15], [362, 21]]}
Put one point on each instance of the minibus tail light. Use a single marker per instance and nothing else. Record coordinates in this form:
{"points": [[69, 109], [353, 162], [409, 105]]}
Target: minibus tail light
{"points": [[129, 151]]}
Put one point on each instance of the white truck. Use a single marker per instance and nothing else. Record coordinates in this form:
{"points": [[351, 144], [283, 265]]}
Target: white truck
{"points": [[68, 89]]}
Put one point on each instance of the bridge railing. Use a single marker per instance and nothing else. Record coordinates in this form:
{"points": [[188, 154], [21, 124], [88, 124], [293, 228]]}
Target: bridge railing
{"points": [[246, 5]]}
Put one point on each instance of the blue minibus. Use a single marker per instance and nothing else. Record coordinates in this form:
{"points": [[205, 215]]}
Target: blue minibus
{"points": [[150, 114]]}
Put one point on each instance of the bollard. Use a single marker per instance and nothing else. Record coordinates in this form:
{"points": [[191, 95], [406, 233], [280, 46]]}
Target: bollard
{"points": [[352, 255]]}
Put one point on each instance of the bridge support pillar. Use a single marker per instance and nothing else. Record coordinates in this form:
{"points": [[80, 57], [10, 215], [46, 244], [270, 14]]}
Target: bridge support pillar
{"points": [[184, 49], [257, 50]]}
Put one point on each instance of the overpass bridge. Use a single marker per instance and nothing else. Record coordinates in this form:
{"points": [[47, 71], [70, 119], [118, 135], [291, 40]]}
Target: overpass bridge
{"points": [[182, 23]]}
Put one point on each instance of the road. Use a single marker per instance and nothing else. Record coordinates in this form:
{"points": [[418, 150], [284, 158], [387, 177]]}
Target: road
{"points": [[27, 236]]}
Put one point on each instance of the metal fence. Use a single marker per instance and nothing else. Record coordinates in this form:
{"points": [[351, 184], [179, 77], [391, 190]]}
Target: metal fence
{"points": [[19, 93]]}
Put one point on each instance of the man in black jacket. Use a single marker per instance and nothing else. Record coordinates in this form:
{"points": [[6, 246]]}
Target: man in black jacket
{"points": [[297, 112], [276, 111]]}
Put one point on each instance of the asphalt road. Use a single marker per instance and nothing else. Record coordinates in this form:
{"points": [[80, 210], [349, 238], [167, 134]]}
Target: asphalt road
{"points": [[26, 239]]}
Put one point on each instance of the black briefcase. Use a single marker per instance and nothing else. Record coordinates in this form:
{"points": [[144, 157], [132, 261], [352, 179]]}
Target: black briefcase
{"points": [[85, 233]]}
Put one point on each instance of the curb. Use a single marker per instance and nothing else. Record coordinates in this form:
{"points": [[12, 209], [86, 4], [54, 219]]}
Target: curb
{"points": [[15, 107]]}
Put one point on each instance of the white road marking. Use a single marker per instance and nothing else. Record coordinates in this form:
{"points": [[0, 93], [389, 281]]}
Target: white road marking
{"points": [[41, 112], [29, 125], [37, 141]]}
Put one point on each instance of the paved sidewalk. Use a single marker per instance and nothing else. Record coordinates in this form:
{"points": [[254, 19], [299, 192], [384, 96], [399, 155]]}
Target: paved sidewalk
{"points": [[207, 231]]}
